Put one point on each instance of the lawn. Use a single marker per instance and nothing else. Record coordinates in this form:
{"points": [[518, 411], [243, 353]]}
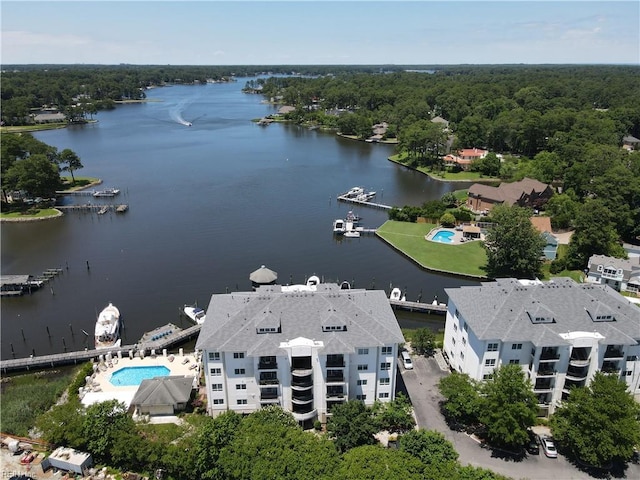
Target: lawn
{"points": [[462, 176], [467, 259], [32, 213]]}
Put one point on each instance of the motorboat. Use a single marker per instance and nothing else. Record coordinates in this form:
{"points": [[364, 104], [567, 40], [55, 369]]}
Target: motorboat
{"points": [[352, 234], [352, 217], [107, 192], [396, 295], [107, 331], [195, 313], [311, 286], [339, 226], [354, 192]]}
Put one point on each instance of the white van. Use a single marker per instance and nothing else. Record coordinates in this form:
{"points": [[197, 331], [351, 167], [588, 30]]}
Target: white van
{"points": [[406, 361]]}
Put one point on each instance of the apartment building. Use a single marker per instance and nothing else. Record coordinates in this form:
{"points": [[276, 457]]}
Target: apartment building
{"points": [[303, 347], [560, 332], [620, 274]]}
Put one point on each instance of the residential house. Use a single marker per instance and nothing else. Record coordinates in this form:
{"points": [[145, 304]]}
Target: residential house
{"points": [[560, 332], [620, 274], [543, 225], [631, 143], [303, 347], [525, 193], [464, 158]]}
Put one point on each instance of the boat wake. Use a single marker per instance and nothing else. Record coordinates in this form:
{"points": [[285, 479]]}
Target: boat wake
{"points": [[177, 111]]}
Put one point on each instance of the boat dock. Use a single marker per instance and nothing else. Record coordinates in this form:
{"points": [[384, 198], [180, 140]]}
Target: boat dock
{"points": [[89, 207], [16, 285], [344, 198], [438, 309], [147, 346]]}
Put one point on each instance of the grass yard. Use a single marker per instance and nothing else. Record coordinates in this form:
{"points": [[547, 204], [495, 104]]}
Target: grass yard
{"points": [[32, 213], [467, 259]]}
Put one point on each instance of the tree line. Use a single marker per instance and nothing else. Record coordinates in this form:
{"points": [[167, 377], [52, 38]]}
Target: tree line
{"points": [[268, 443]]}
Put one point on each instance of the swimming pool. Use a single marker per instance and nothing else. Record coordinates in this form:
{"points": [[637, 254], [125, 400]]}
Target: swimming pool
{"points": [[443, 236], [131, 376]]}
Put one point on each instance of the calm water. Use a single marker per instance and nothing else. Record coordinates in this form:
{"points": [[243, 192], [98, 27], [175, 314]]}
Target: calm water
{"points": [[209, 204]]}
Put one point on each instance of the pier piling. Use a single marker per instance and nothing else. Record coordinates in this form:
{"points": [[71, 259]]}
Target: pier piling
{"points": [[48, 332]]}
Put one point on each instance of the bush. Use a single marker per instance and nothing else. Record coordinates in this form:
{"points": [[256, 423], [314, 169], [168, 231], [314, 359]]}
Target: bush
{"points": [[558, 265], [317, 425], [448, 220]]}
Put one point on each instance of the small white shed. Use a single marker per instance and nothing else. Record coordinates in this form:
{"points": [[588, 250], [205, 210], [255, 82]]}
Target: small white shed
{"points": [[70, 460]]}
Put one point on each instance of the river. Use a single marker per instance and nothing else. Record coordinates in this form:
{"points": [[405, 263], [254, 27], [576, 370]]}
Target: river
{"points": [[208, 204]]}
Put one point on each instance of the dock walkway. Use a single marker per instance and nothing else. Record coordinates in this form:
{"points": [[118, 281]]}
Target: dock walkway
{"points": [[176, 336], [345, 198], [419, 307]]}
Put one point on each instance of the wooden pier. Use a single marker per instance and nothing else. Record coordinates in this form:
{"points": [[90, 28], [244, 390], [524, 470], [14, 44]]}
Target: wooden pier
{"points": [[418, 307], [345, 198], [33, 362], [90, 207]]}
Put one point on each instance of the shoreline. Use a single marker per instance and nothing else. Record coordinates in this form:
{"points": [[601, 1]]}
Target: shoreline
{"points": [[451, 180]]}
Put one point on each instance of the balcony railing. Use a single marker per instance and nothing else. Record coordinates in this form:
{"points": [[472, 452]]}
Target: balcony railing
{"points": [[335, 362], [269, 381], [549, 356], [579, 362], [267, 365], [302, 400], [269, 394], [335, 394], [547, 372], [335, 378]]}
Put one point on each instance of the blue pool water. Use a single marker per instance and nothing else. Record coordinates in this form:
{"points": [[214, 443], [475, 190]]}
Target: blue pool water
{"points": [[443, 236], [130, 376]]}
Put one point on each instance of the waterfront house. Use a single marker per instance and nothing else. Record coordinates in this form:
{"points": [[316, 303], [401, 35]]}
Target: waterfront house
{"points": [[560, 332], [303, 347], [162, 395], [525, 193], [464, 158], [620, 274]]}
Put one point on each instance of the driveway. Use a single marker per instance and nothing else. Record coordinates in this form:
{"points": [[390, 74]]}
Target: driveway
{"points": [[421, 385]]}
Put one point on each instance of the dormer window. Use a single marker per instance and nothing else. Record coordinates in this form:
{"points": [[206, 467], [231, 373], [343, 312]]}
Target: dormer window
{"points": [[334, 328]]}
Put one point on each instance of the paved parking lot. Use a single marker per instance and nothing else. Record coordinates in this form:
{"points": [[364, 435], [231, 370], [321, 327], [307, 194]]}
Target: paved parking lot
{"points": [[421, 386]]}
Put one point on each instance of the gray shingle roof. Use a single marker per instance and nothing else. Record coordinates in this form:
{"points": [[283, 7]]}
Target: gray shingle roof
{"points": [[233, 319], [503, 310], [163, 391]]}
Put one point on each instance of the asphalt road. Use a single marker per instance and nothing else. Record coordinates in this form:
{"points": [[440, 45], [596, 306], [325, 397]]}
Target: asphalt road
{"points": [[421, 386]]}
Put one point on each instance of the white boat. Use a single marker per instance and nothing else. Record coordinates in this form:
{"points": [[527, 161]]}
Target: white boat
{"points": [[339, 226], [311, 286], [396, 295], [352, 234], [107, 192], [107, 332], [354, 192], [195, 313]]}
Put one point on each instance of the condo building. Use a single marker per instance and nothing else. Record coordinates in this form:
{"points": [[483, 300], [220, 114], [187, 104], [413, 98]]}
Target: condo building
{"points": [[560, 332], [303, 347]]}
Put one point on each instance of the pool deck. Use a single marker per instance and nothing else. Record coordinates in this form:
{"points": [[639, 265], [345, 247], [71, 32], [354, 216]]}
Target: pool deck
{"points": [[457, 238], [100, 389]]}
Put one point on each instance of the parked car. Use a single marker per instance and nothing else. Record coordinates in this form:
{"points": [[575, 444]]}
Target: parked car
{"points": [[533, 448], [548, 447]]}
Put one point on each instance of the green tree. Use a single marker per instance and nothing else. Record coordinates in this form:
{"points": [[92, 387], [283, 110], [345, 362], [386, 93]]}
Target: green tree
{"points": [[423, 341], [213, 436], [103, 424], [598, 424], [449, 199], [508, 406], [514, 247], [469, 472], [63, 424], [594, 235], [562, 209], [71, 162], [434, 451], [462, 400], [394, 416], [36, 175], [351, 425], [379, 463], [448, 220]]}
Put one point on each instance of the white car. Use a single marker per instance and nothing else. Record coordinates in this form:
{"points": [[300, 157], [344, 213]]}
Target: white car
{"points": [[548, 447]]}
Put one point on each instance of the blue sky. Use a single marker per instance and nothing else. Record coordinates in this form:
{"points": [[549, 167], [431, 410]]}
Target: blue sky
{"points": [[320, 32]]}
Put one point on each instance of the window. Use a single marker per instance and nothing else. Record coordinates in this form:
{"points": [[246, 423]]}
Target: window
{"points": [[215, 372], [387, 350], [457, 313], [486, 376], [631, 358], [627, 373], [383, 395], [363, 367], [361, 397], [465, 326], [455, 327], [362, 382], [216, 387], [363, 351], [241, 401], [214, 356], [492, 347], [453, 340], [239, 371], [462, 355], [385, 366], [384, 381], [218, 401], [490, 362], [241, 386], [238, 354], [516, 346], [514, 362], [464, 341]]}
